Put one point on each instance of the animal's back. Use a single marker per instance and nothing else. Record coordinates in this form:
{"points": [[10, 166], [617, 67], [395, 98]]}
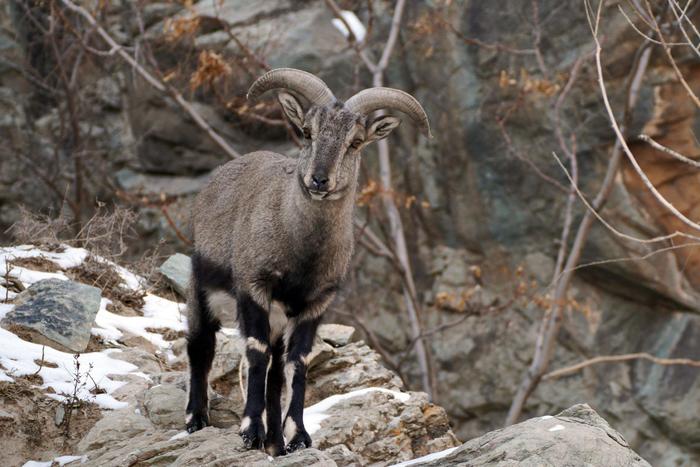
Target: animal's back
{"points": [[227, 203]]}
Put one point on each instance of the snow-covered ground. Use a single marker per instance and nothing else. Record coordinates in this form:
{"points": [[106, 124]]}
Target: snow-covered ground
{"points": [[315, 414], [429, 458], [19, 357]]}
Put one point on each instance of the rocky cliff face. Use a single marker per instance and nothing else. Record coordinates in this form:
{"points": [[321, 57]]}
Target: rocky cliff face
{"points": [[134, 367], [122, 402], [484, 232]]}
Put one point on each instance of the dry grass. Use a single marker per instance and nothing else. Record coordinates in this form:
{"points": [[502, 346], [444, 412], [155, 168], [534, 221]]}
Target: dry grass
{"points": [[167, 333], [105, 234], [103, 276], [36, 263], [34, 434]]}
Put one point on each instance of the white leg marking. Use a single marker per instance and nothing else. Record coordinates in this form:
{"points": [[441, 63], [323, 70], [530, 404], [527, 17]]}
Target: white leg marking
{"points": [[253, 343], [306, 359], [290, 429], [245, 423], [288, 377], [243, 378]]}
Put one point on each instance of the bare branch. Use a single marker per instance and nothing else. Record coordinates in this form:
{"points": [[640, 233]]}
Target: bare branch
{"points": [[152, 80], [621, 138], [552, 320], [659, 147], [594, 212], [667, 50], [569, 370], [400, 251]]}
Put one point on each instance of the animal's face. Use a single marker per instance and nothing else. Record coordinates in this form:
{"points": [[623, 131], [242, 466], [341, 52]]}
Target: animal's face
{"points": [[333, 139]]}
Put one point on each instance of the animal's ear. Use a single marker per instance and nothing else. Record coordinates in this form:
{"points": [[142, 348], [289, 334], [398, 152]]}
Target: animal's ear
{"points": [[381, 127], [292, 109]]}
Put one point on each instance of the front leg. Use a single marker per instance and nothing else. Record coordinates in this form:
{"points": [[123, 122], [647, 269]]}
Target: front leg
{"points": [[254, 323], [299, 338]]}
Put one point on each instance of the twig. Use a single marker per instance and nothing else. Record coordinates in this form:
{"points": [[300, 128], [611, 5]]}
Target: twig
{"points": [[537, 31], [398, 236], [41, 362], [647, 139], [480, 43], [569, 370], [352, 40], [667, 50], [552, 320], [621, 138], [153, 81], [178, 232], [610, 227]]}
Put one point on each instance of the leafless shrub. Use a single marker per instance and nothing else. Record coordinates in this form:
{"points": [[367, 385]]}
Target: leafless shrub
{"points": [[106, 233], [39, 229]]}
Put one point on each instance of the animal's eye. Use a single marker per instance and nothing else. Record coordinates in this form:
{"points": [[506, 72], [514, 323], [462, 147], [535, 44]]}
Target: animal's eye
{"points": [[307, 133], [356, 143]]}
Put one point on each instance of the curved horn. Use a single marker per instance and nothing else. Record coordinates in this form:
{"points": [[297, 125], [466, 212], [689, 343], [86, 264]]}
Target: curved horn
{"points": [[371, 99], [306, 84]]}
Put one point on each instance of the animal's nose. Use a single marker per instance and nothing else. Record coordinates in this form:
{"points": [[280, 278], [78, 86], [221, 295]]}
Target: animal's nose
{"points": [[320, 182]]}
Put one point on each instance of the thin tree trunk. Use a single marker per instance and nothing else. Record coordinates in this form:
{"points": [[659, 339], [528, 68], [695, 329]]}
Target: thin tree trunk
{"points": [[549, 331]]}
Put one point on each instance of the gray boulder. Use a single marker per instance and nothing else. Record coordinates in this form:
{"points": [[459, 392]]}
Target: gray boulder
{"points": [[164, 405], [177, 270], [336, 335], [121, 425], [377, 427], [577, 436], [56, 313], [208, 447]]}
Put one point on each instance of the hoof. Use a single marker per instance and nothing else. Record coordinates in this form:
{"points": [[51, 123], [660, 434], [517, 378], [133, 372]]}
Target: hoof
{"points": [[253, 435], [275, 447], [301, 440], [197, 421]]}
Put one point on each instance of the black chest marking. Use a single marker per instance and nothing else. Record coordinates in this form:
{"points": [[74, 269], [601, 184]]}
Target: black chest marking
{"points": [[296, 288], [210, 275]]}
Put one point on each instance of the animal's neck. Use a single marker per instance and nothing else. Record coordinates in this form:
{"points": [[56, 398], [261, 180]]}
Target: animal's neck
{"points": [[327, 219]]}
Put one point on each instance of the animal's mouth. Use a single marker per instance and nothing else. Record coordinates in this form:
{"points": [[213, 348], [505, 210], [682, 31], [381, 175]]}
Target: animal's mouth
{"points": [[318, 195], [325, 195]]}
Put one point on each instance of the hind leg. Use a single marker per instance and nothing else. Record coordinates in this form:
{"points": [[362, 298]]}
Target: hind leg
{"points": [[201, 345], [254, 324], [274, 442]]}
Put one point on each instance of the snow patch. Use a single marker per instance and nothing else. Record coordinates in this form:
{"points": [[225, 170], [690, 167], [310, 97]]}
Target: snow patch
{"points": [[356, 26], [63, 460], [428, 458], [7, 294], [314, 415], [37, 464], [545, 417], [556, 428], [182, 434], [68, 258], [158, 313], [5, 309], [17, 358]]}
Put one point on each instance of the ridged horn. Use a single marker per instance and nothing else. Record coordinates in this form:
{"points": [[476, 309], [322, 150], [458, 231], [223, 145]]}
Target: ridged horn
{"points": [[371, 99], [301, 82]]}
